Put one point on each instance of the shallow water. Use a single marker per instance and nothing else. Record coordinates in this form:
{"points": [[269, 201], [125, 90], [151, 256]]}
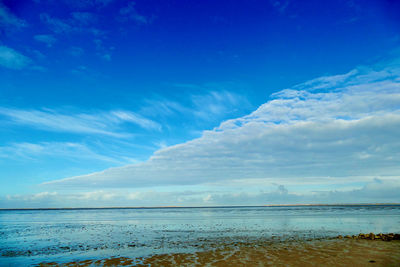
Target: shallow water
{"points": [[32, 236]]}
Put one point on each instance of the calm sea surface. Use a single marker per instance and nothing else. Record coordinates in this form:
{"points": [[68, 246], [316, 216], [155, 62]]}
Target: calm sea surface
{"points": [[33, 236]]}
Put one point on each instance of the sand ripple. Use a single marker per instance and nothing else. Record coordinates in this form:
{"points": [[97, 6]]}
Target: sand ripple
{"points": [[332, 252]]}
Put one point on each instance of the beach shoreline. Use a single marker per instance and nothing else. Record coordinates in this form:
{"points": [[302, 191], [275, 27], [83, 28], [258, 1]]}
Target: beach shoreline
{"points": [[117, 237], [357, 250]]}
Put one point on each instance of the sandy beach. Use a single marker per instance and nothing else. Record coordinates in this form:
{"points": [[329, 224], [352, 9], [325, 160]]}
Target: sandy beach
{"points": [[326, 252]]}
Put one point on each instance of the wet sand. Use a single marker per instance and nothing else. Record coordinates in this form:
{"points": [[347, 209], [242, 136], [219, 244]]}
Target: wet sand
{"points": [[328, 252]]}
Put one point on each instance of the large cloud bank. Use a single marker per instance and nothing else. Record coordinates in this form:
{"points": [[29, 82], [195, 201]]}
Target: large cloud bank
{"points": [[334, 129]]}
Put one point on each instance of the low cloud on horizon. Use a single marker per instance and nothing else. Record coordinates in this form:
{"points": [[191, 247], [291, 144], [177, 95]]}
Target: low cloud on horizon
{"points": [[381, 191]]}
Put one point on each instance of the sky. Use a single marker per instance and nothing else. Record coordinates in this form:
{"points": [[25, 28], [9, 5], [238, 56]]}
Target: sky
{"points": [[198, 103]]}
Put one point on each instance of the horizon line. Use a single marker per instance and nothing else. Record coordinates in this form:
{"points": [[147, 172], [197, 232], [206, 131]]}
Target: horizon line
{"points": [[199, 207]]}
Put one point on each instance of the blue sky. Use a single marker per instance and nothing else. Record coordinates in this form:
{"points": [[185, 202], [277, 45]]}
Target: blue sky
{"points": [[198, 102]]}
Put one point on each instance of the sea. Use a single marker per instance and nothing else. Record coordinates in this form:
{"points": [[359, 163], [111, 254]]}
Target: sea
{"points": [[29, 237]]}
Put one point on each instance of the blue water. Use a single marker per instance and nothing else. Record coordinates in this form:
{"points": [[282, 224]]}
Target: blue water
{"points": [[33, 236]]}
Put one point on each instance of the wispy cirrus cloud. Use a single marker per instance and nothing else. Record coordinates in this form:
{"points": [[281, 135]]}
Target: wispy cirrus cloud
{"points": [[12, 59], [76, 51], [7, 18], [127, 116], [47, 39], [301, 136], [65, 150], [163, 107], [84, 18], [55, 24], [106, 123], [85, 4], [211, 105], [280, 5], [103, 51], [217, 103], [129, 12], [78, 22]]}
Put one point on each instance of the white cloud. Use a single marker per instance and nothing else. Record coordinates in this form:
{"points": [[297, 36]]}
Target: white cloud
{"points": [[32, 197], [129, 12], [76, 51], [48, 39], [212, 105], [327, 82], [65, 150], [107, 57], [78, 22], [137, 119], [280, 5], [9, 58], [103, 51], [164, 107], [84, 18], [96, 123], [7, 18], [85, 4], [217, 103], [56, 25], [345, 134], [374, 191]]}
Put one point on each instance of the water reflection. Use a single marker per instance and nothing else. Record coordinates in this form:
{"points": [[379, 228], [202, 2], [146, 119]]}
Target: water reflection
{"points": [[33, 235]]}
